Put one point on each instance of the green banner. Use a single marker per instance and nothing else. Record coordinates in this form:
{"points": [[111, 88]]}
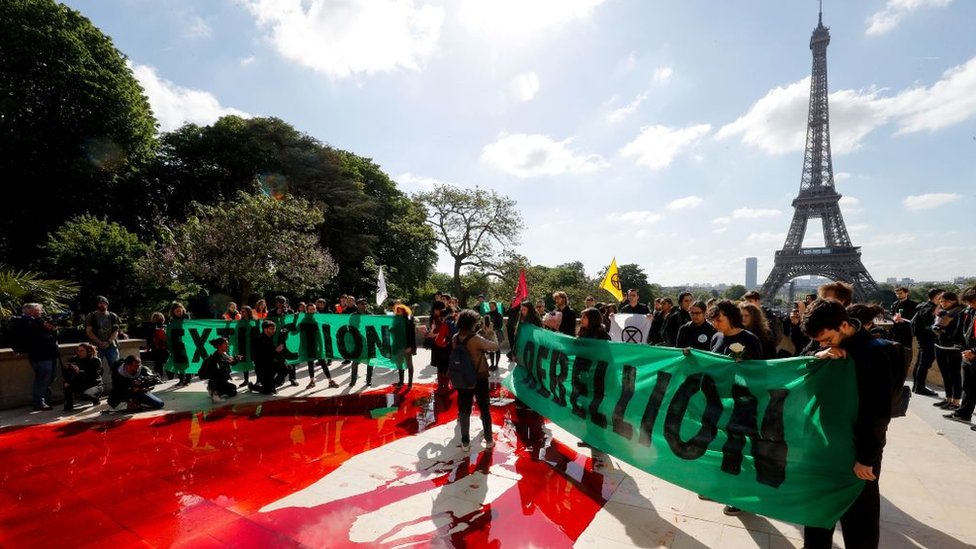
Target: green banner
{"points": [[771, 437], [374, 339]]}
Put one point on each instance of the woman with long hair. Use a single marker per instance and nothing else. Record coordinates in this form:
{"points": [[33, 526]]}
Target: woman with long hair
{"points": [[591, 325], [260, 310], [410, 347], [177, 313], [755, 321], [83, 376]]}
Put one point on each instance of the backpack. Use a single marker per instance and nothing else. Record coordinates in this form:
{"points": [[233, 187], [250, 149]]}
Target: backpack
{"points": [[901, 394], [923, 319], [461, 368]]}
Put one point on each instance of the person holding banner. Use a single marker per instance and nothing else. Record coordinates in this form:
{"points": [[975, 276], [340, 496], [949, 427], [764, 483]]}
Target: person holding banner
{"points": [[177, 313], [696, 333], [476, 338], [826, 322], [410, 336], [438, 340], [268, 360], [731, 337]]}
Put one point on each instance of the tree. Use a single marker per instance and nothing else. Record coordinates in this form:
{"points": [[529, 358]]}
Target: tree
{"points": [[253, 244], [74, 124], [98, 254], [19, 287], [735, 292], [471, 224]]}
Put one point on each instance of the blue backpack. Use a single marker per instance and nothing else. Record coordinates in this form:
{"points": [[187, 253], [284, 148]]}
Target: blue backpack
{"points": [[461, 368]]}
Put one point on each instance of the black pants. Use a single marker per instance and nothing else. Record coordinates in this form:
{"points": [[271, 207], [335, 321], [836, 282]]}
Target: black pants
{"points": [[325, 369], [465, 398], [860, 523], [950, 366], [222, 387], [408, 360], [354, 373], [926, 356], [965, 410]]}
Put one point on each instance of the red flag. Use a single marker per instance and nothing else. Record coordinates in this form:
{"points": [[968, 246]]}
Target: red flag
{"points": [[521, 291]]}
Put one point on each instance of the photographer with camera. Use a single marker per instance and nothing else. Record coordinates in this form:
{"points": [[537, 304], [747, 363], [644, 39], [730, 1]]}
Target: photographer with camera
{"points": [[36, 336], [216, 370], [83, 376], [132, 383]]}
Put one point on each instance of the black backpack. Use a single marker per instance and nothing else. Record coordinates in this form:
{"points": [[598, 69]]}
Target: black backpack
{"points": [[461, 368], [901, 394]]}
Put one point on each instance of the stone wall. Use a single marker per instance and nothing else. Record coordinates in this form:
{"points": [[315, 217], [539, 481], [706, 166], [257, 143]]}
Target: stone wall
{"points": [[17, 376]]}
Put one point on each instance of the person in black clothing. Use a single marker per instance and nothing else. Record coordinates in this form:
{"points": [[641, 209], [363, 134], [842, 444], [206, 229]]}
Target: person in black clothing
{"points": [[216, 370], [657, 322], [591, 325], [826, 321], [567, 323], [633, 305], [321, 306], [82, 376], [410, 345], [755, 322], [268, 360], [948, 349], [902, 312], [674, 317], [922, 329], [966, 326], [733, 340], [360, 309], [511, 321], [132, 383], [695, 334], [38, 338], [177, 314], [495, 317]]}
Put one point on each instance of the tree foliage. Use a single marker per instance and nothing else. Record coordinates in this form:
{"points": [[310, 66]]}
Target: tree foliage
{"points": [[735, 292], [74, 124], [253, 244], [99, 255], [475, 226], [19, 287]]}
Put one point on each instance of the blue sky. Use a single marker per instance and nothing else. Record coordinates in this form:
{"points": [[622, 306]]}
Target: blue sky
{"points": [[667, 133]]}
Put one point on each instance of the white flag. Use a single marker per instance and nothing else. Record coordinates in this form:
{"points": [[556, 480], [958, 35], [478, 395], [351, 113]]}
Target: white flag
{"points": [[630, 328], [380, 288]]}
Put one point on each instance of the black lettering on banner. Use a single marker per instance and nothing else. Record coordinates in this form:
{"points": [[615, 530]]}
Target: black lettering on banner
{"points": [[540, 374], [373, 342], [287, 331], [309, 338], [743, 423], [241, 334], [176, 345], [227, 331], [527, 364], [558, 371], [621, 427], [357, 342], [770, 451], [695, 447], [200, 342], [327, 340], [581, 372], [653, 407], [599, 391]]}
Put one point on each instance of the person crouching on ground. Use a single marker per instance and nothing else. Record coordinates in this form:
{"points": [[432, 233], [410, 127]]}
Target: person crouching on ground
{"points": [[216, 370], [269, 364], [132, 383], [477, 339], [83, 376]]}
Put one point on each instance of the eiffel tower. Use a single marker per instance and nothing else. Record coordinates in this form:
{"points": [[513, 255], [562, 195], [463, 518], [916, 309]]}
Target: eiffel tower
{"points": [[838, 259]]}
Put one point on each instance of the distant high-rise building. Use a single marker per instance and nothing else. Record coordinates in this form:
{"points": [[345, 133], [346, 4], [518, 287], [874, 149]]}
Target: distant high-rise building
{"points": [[752, 266]]}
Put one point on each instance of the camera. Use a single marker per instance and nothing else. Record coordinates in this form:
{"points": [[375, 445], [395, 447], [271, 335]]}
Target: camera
{"points": [[144, 383], [57, 319]]}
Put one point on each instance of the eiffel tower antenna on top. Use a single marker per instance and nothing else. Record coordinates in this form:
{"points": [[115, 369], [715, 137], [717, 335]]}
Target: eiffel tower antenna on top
{"points": [[838, 259]]}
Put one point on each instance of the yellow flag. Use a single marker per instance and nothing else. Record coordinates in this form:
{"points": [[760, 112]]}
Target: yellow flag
{"points": [[611, 282]]}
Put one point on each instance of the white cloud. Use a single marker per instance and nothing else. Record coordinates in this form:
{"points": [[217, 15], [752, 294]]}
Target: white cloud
{"points": [[636, 217], [345, 38], [662, 74], [198, 28], [174, 105], [532, 155], [724, 220], [929, 201], [776, 123], [766, 238], [524, 86], [629, 63], [617, 115], [517, 18], [894, 12], [891, 239], [686, 202], [416, 183], [657, 146], [850, 205], [720, 230], [754, 213], [841, 176], [246, 61]]}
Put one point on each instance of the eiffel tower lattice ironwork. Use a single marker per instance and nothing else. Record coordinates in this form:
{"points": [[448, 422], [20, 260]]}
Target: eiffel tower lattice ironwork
{"points": [[838, 259]]}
